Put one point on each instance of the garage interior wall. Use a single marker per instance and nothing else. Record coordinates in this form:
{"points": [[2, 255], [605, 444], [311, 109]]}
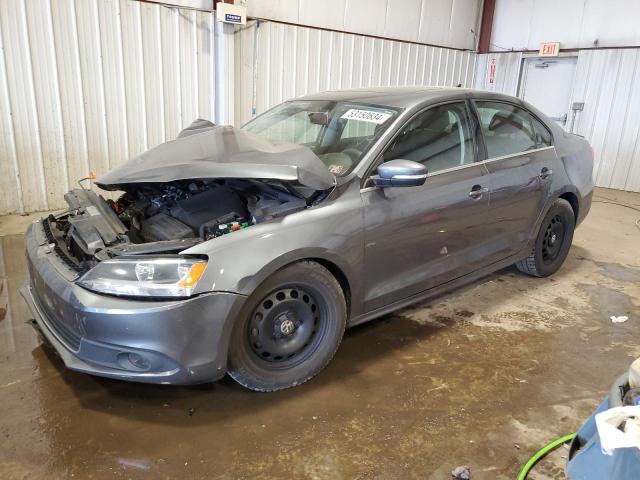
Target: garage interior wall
{"points": [[607, 80], [507, 72], [86, 84], [292, 60], [449, 23], [524, 24]]}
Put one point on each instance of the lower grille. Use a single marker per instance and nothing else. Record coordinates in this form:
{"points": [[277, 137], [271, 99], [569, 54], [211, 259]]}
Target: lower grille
{"points": [[60, 252]]}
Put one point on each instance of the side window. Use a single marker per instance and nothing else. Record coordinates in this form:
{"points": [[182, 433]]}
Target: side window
{"points": [[439, 138], [543, 137], [508, 129]]}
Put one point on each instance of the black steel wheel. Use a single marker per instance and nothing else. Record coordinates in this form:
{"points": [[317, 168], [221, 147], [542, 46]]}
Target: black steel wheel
{"points": [[286, 326], [552, 242], [553, 239], [289, 329]]}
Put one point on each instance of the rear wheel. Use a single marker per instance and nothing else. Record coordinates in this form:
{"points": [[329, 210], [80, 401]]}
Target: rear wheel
{"points": [[290, 329], [552, 243]]}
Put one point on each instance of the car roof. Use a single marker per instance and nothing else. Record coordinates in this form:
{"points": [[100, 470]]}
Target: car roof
{"points": [[399, 97]]}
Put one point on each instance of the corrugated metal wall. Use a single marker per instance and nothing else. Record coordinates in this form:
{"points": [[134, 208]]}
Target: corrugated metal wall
{"points": [[524, 24], [291, 61], [450, 23], [507, 71], [86, 84], [608, 82]]}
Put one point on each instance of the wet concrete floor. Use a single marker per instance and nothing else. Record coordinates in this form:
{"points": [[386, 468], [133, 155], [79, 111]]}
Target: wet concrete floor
{"points": [[480, 377]]}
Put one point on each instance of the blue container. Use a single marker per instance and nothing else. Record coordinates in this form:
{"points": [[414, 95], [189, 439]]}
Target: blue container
{"points": [[586, 460]]}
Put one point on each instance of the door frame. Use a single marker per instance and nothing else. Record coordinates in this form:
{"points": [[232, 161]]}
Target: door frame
{"points": [[522, 80], [528, 56]]}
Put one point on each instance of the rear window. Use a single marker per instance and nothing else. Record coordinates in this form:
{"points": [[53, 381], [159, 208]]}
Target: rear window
{"points": [[509, 129]]}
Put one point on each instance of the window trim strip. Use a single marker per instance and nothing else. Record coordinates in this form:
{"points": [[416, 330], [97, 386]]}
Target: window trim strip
{"points": [[474, 164]]}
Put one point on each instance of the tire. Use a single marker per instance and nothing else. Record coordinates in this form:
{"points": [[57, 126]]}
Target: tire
{"points": [[289, 329], [552, 242]]}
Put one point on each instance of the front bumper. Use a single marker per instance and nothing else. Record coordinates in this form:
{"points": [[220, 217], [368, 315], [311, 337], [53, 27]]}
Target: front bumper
{"points": [[174, 342]]}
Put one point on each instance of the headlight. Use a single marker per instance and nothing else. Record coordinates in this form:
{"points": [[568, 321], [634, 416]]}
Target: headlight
{"points": [[145, 277]]}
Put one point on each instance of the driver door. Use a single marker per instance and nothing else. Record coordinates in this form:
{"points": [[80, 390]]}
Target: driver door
{"points": [[419, 237]]}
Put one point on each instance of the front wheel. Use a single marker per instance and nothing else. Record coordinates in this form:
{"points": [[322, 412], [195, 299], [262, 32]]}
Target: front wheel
{"points": [[553, 241], [289, 330]]}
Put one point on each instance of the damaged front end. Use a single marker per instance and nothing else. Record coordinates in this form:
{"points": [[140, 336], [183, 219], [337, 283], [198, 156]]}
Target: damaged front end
{"points": [[112, 285], [207, 183], [163, 218]]}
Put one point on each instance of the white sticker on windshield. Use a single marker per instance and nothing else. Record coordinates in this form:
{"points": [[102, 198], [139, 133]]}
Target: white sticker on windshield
{"points": [[366, 116]]}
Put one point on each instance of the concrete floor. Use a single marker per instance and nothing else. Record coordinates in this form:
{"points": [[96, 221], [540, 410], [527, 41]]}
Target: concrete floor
{"points": [[481, 377]]}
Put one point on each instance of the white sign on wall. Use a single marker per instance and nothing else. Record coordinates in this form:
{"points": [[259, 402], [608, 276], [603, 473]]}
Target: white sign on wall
{"points": [[229, 13]]}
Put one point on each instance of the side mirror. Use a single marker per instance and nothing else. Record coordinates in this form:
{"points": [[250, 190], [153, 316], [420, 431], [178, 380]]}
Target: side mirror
{"points": [[400, 173]]}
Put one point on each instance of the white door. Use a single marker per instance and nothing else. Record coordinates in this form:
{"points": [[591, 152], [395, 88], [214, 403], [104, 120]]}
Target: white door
{"points": [[547, 84]]}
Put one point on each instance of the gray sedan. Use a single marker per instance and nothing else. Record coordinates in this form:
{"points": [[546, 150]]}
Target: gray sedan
{"points": [[249, 251]]}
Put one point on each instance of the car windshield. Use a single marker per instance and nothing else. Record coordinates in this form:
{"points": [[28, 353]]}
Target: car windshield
{"points": [[339, 133]]}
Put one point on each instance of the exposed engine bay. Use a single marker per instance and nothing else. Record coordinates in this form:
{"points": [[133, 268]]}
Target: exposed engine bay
{"points": [[204, 209], [165, 217]]}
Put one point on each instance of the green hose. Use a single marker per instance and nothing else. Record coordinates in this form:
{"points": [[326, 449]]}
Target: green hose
{"points": [[541, 453]]}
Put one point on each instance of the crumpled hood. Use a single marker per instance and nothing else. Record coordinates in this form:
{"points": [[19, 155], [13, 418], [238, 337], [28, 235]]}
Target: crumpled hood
{"points": [[221, 152]]}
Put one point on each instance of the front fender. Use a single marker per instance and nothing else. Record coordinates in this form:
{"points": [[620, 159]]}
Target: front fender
{"points": [[250, 283], [242, 260]]}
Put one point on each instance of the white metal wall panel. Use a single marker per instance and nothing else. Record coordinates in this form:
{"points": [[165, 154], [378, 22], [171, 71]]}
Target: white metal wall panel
{"points": [[291, 61], [188, 65], [90, 73], [205, 64], [365, 16], [152, 64], [507, 72], [133, 74], [170, 51], [439, 22], [68, 74], [608, 82], [48, 109], [86, 84], [10, 187], [110, 39], [524, 24], [403, 19], [22, 105]]}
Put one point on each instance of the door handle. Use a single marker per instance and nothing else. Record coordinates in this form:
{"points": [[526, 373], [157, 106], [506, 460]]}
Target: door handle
{"points": [[477, 191], [545, 173]]}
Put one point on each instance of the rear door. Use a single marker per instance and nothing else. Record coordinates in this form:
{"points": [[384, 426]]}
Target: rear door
{"points": [[420, 237], [520, 159]]}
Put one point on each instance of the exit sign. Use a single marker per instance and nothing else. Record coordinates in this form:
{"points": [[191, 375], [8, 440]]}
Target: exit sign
{"points": [[549, 49]]}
